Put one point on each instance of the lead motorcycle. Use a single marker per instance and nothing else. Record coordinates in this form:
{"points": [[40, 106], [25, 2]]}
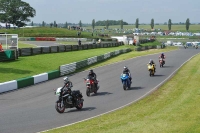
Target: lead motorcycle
{"points": [[68, 99], [125, 81], [90, 86], [151, 69]]}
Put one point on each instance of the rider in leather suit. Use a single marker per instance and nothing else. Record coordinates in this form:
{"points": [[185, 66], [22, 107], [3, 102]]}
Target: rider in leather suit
{"points": [[93, 76], [127, 71], [151, 62]]}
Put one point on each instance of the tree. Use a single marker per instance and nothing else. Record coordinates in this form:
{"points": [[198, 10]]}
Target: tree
{"points": [[111, 22], [187, 24], [51, 24], [16, 12], [32, 23], [66, 25], [43, 24], [107, 24], [121, 24], [137, 23], [93, 24], [152, 23], [54, 24], [80, 23], [169, 24]]}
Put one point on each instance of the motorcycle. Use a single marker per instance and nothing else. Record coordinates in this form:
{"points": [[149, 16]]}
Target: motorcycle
{"points": [[125, 81], [196, 46], [68, 99], [90, 86], [161, 61], [151, 69]]}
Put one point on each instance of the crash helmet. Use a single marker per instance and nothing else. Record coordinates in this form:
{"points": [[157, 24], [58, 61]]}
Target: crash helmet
{"points": [[91, 71], [125, 68], [66, 80]]}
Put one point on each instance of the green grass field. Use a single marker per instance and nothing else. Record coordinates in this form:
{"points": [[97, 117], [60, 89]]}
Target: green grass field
{"points": [[46, 32], [173, 108], [32, 65]]}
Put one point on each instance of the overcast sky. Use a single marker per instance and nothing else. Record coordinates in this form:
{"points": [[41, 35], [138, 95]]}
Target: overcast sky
{"points": [[72, 11]]}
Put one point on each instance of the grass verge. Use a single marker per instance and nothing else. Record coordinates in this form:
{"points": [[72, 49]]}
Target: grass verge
{"points": [[173, 108]]}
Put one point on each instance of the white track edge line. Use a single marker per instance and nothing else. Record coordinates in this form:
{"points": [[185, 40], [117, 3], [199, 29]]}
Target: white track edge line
{"points": [[128, 103]]}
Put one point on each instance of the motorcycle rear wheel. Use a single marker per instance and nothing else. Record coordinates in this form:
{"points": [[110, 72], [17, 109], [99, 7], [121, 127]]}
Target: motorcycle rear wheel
{"points": [[60, 108], [79, 106]]}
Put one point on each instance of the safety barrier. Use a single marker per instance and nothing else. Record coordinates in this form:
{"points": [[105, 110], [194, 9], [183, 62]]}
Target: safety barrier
{"points": [[63, 48], [72, 67], [37, 39]]}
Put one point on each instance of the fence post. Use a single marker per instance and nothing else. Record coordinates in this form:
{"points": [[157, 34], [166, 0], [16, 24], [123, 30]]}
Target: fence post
{"points": [[31, 51], [58, 49], [41, 50], [20, 52], [50, 49], [65, 48]]}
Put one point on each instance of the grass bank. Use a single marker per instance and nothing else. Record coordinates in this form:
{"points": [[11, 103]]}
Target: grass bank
{"points": [[173, 108], [46, 32], [32, 65]]}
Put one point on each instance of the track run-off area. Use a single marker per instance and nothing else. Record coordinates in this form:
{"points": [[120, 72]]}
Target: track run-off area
{"points": [[32, 109]]}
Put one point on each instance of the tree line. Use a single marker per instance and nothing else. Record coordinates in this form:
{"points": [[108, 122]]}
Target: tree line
{"points": [[187, 24], [18, 13]]}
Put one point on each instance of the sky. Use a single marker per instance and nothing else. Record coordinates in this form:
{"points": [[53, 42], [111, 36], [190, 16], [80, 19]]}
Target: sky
{"points": [[72, 11]]}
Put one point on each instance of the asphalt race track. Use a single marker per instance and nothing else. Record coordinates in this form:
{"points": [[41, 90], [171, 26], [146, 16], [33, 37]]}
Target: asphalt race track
{"points": [[42, 43], [31, 109]]}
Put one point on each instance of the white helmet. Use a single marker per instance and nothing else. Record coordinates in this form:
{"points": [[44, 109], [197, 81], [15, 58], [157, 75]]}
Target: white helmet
{"points": [[66, 79]]}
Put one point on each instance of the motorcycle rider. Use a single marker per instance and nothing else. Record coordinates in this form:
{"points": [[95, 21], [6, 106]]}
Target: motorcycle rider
{"points": [[127, 71], [196, 46], [93, 76], [162, 56], [151, 62], [67, 87]]}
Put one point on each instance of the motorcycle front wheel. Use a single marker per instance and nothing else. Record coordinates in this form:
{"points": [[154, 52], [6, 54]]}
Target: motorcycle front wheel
{"points": [[88, 92], [124, 85], [95, 90], [151, 73], [60, 108]]}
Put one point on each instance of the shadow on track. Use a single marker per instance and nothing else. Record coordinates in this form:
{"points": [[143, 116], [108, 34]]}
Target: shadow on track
{"points": [[101, 94], [167, 66], [83, 109], [135, 88], [158, 75]]}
